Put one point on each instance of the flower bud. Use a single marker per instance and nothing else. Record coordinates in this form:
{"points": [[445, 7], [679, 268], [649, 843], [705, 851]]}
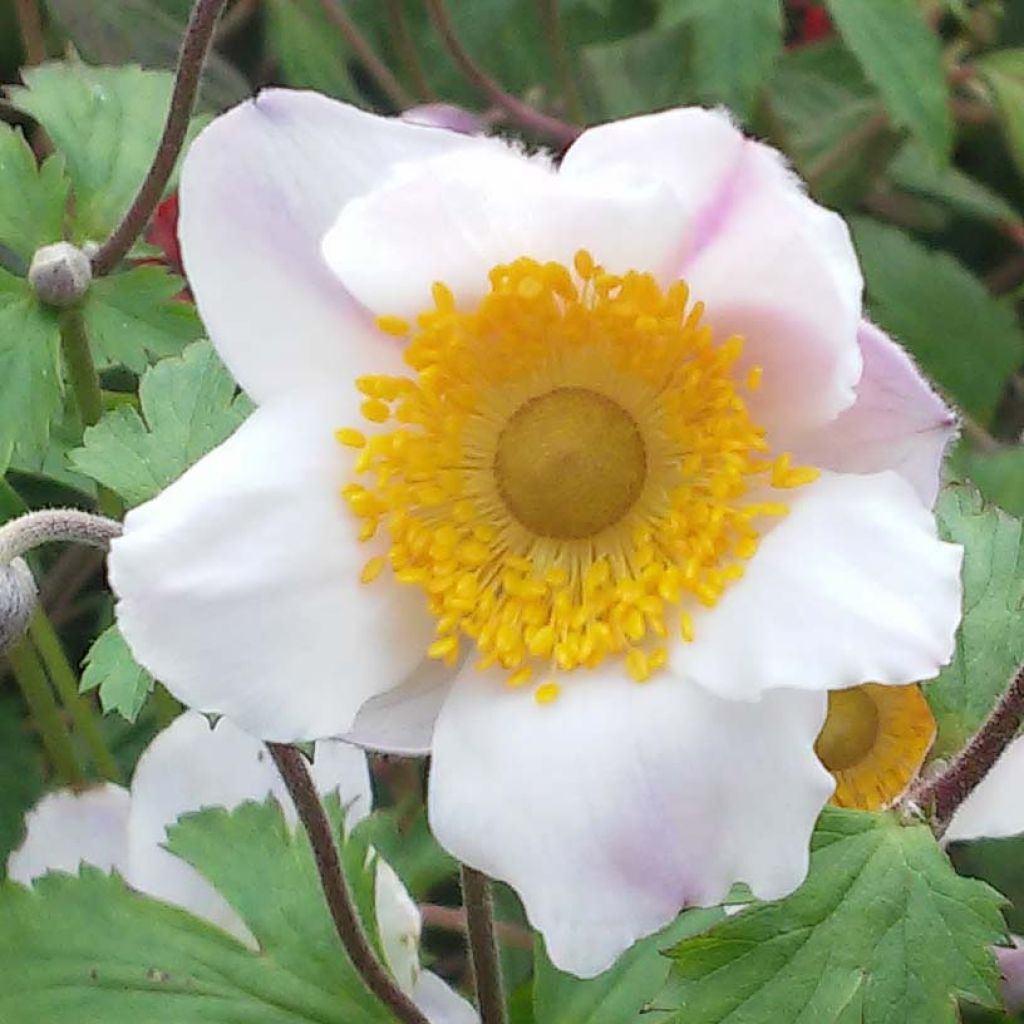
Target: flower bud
{"points": [[18, 596], [60, 274]]}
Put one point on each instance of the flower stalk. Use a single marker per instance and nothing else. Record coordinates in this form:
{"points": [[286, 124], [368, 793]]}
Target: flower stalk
{"points": [[292, 767], [45, 526], [478, 899], [560, 57]]}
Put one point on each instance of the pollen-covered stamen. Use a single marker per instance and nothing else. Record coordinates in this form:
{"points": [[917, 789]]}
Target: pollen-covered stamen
{"points": [[571, 469]]}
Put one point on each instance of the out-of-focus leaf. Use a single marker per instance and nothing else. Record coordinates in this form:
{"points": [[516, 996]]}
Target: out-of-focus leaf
{"points": [[148, 31], [123, 684], [1004, 72], [1000, 477], [32, 199], [189, 405], [990, 643], [966, 340], [106, 123], [30, 381], [21, 776], [903, 57], [133, 316], [882, 932]]}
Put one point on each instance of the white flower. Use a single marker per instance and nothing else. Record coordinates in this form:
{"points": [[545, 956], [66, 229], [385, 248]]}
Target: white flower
{"points": [[596, 474], [190, 766]]}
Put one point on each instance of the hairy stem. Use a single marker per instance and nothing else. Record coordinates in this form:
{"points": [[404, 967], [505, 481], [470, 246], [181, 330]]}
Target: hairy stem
{"points": [[478, 900], [292, 766], [191, 58], [521, 113], [560, 57], [21, 535], [945, 793]]}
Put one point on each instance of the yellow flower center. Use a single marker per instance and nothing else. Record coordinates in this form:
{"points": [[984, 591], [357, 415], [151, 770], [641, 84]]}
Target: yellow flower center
{"points": [[571, 470]]}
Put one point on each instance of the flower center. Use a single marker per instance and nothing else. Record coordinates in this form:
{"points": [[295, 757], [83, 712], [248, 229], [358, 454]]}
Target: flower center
{"points": [[568, 473], [570, 463], [850, 730]]}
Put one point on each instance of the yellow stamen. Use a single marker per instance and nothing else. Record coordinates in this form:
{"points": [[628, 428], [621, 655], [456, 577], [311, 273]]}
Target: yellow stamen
{"points": [[547, 692]]}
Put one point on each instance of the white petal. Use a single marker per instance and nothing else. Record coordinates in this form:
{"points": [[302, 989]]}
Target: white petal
{"points": [[897, 422], [441, 1003], [239, 586], [852, 586], [453, 218], [769, 263], [399, 926], [616, 805], [259, 189], [995, 809], [66, 829]]}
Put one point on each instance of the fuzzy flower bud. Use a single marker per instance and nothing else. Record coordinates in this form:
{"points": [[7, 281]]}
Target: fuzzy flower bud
{"points": [[60, 274], [18, 596]]}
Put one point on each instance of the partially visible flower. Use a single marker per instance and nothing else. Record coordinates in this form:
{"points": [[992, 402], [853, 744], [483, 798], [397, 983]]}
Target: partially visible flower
{"points": [[1011, 965], [190, 766], [446, 115], [163, 233]]}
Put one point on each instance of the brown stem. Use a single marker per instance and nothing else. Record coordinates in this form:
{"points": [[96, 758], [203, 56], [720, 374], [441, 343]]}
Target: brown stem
{"points": [[292, 766], [945, 793], [31, 25], [366, 54], [194, 47], [483, 945], [406, 47], [552, 22], [522, 113], [453, 919]]}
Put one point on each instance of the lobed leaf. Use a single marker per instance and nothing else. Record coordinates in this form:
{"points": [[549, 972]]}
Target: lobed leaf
{"points": [[123, 684]]}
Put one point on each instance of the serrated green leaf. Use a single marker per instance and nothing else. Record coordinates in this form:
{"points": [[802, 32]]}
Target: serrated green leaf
{"points": [[189, 405], [964, 338], [1000, 477], [1004, 72], [133, 316], [106, 122], [30, 382], [21, 775], [83, 949], [882, 932], [32, 199], [619, 994], [122, 682], [903, 57], [990, 642]]}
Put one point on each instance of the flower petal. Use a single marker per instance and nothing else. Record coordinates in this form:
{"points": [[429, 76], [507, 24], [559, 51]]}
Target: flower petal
{"points": [[853, 586], [66, 829], [399, 923], [239, 586], [441, 1003], [767, 261], [453, 218], [259, 189], [616, 805], [897, 422], [995, 809]]}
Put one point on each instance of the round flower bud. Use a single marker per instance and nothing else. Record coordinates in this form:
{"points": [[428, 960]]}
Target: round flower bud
{"points": [[18, 596], [60, 274]]}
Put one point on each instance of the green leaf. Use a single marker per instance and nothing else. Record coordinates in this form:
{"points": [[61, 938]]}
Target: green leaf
{"points": [[990, 643], [1000, 477], [106, 122], [963, 337], [86, 948], [134, 315], [32, 199], [30, 382], [1004, 72], [903, 57], [189, 405], [619, 994], [21, 775], [882, 932], [123, 684]]}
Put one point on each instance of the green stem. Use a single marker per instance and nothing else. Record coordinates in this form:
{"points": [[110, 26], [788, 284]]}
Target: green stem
{"points": [[560, 57], [35, 688], [65, 681]]}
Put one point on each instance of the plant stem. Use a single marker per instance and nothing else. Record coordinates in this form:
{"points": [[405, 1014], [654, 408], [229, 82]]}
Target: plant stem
{"points": [[191, 58], [560, 57], [406, 49], [31, 25], [944, 794], [35, 688], [478, 900], [21, 535], [522, 113], [292, 766], [453, 919], [65, 681]]}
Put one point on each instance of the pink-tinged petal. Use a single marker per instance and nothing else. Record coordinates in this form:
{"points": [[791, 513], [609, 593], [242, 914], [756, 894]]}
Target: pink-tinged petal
{"points": [[259, 189], [897, 422], [995, 810], [852, 586], [618, 804], [453, 218], [239, 586], [1011, 965], [767, 261], [66, 829], [446, 115]]}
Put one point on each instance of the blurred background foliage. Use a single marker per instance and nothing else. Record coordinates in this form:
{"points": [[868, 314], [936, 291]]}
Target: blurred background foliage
{"points": [[905, 115]]}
